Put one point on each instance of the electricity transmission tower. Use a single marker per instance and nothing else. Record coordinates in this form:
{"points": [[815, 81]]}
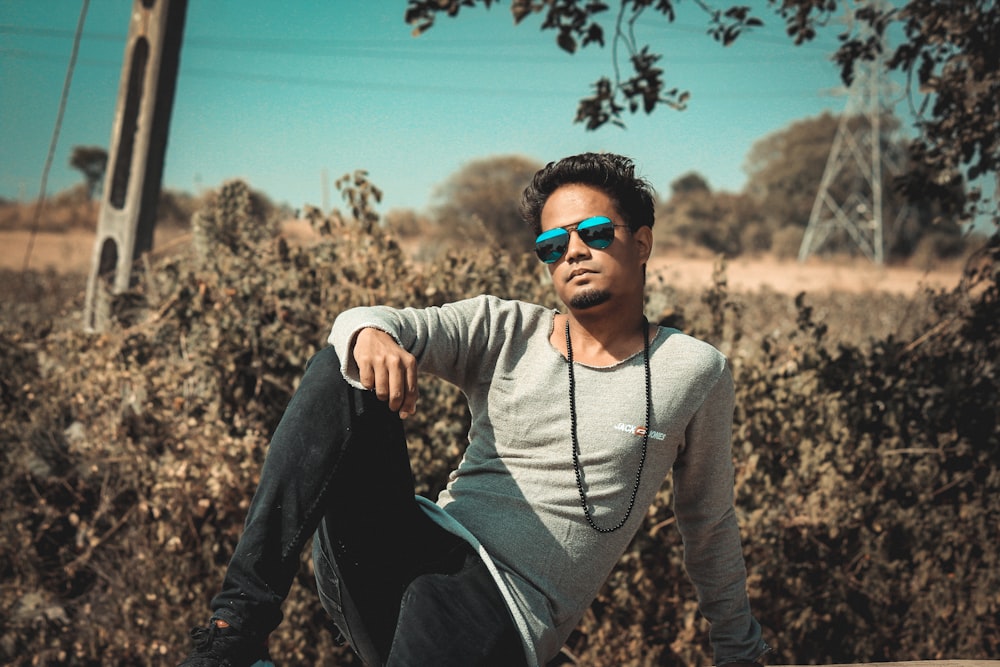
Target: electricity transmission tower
{"points": [[858, 157]]}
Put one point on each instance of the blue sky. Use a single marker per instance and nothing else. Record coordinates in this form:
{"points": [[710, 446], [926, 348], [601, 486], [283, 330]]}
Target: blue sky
{"points": [[277, 93]]}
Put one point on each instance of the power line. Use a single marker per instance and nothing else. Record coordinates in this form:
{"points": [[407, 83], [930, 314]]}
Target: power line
{"points": [[61, 33], [23, 54], [368, 84], [750, 35], [36, 221], [411, 55], [399, 49]]}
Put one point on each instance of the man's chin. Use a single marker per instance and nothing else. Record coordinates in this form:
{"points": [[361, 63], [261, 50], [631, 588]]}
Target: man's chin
{"points": [[589, 299]]}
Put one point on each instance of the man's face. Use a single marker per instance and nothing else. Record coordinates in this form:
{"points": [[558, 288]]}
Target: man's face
{"points": [[586, 277]]}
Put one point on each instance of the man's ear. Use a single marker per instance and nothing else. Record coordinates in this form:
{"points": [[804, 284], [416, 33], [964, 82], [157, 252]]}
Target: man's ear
{"points": [[644, 238]]}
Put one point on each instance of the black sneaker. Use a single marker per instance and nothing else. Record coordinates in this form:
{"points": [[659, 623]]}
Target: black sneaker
{"points": [[223, 646]]}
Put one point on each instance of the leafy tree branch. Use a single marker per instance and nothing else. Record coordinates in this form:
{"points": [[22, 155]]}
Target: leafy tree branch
{"points": [[949, 56]]}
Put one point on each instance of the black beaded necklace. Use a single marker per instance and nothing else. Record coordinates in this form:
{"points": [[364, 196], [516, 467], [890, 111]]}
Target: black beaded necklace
{"points": [[576, 442]]}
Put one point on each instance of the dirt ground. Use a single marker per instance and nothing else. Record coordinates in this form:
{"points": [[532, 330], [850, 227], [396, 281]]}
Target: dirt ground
{"points": [[64, 252], [814, 275], [71, 252]]}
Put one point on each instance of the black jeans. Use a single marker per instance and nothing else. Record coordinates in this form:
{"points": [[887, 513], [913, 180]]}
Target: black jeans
{"points": [[401, 589]]}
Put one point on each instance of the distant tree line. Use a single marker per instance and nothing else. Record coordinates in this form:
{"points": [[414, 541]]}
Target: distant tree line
{"points": [[479, 203], [769, 216]]}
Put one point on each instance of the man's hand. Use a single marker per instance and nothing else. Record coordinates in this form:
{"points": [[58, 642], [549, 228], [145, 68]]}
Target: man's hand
{"points": [[388, 369]]}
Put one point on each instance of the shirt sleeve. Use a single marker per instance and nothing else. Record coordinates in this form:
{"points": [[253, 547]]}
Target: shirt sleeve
{"points": [[451, 341], [706, 517]]}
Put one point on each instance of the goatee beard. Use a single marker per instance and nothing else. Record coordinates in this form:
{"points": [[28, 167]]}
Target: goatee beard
{"points": [[589, 298]]}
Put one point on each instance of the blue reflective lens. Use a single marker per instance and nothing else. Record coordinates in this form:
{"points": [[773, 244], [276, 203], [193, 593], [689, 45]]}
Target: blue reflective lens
{"points": [[597, 232], [550, 245]]}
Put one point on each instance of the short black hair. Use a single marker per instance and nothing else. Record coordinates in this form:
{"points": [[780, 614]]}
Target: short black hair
{"points": [[612, 174]]}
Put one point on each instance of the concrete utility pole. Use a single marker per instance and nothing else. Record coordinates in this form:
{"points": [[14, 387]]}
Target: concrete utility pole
{"points": [[136, 153], [857, 153]]}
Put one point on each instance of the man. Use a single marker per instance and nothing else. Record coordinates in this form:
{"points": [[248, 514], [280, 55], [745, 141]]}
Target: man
{"points": [[577, 417]]}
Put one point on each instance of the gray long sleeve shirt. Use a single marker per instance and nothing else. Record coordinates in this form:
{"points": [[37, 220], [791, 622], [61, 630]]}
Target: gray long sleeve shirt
{"points": [[514, 494]]}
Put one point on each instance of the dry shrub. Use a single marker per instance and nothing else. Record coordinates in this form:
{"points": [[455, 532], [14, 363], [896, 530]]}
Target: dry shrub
{"points": [[871, 479], [867, 471], [133, 454]]}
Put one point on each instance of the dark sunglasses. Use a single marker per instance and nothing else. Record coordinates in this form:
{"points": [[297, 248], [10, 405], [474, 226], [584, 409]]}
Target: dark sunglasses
{"points": [[597, 232]]}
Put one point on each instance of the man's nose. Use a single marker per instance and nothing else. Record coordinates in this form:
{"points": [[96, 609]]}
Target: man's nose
{"points": [[576, 247]]}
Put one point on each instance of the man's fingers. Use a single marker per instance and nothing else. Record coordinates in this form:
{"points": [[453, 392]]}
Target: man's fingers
{"points": [[394, 391], [409, 405], [381, 381], [387, 369], [366, 375]]}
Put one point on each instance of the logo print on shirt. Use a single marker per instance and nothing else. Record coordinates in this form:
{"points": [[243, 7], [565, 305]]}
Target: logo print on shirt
{"points": [[639, 431]]}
